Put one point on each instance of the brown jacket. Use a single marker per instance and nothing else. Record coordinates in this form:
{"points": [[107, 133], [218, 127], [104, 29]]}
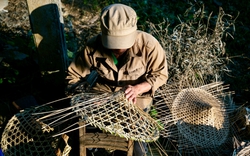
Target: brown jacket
{"points": [[145, 61]]}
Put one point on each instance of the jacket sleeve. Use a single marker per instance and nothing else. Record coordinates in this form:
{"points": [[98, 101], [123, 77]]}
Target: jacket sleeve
{"points": [[77, 72], [157, 69]]}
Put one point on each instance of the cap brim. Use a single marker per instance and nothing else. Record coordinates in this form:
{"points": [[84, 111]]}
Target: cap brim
{"points": [[119, 42]]}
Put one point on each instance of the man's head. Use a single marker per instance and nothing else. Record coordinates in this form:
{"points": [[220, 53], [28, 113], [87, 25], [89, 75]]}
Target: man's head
{"points": [[118, 24]]}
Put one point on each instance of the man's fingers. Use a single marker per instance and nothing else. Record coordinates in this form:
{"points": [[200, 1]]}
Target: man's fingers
{"points": [[130, 94], [134, 100], [131, 97]]}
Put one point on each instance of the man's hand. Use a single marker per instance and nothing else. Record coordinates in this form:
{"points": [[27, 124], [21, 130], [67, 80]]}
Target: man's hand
{"points": [[131, 92]]}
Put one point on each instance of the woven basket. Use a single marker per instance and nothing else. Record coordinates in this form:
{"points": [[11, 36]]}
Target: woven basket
{"points": [[195, 118], [113, 113], [200, 118], [245, 151], [24, 136]]}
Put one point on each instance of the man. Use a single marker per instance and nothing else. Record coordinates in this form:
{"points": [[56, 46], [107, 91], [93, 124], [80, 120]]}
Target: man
{"points": [[123, 58]]}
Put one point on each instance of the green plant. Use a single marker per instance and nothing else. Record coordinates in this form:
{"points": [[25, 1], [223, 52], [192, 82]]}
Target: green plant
{"points": [[154, 114], [9, 74]]}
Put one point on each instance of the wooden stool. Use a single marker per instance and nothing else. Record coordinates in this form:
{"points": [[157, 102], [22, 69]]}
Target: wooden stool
{"points": [[103, 140]]}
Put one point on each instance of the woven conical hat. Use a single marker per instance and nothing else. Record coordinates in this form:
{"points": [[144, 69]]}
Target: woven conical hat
{"points": [[200, 118], [110, 112], [113, 113], [245, 151], [24, 136]]}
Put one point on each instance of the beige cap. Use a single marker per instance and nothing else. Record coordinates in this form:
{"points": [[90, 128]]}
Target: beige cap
{"points": [[118, 24]]}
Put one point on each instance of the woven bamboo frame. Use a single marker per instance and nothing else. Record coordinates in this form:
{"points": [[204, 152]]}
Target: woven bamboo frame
{"points": [[195, 117], [113, 113], [23, 136], [200, 118]]}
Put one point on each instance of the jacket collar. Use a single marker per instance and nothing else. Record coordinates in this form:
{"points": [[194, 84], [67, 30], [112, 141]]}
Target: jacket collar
{"points": [[105, 55]]}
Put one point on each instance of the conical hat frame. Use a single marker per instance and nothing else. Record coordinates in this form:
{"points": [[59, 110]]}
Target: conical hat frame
{"points": [[110, 112], [186, 112], [245, 151], [23, 135], [200, 118]]}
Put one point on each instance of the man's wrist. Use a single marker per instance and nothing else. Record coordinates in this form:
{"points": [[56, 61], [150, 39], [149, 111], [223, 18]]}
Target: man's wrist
{"points": [[143, 88]]}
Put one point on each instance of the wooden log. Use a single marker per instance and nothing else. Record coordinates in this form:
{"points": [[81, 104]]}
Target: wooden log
{"points": [[48, 29]]}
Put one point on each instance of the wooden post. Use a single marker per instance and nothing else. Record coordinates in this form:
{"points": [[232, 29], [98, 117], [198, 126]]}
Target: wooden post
{"points": [[48, 29]]}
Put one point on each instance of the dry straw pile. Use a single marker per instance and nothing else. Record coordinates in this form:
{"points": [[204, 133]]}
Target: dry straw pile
{"points": [[195, 51]]}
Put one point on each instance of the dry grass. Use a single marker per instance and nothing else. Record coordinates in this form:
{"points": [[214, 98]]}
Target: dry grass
{"points": [[195, 52]]}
